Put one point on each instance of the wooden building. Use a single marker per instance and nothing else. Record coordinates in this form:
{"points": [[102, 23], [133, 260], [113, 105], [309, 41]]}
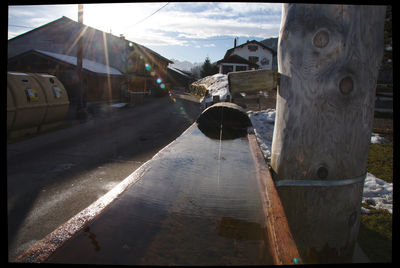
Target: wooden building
{"points": [[138, 67], [100, 82], [178, 79]]}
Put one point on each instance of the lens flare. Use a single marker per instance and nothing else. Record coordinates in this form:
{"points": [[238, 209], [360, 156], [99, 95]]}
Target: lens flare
{"points": [[181, 109], [147, 66], [162, 86], [159, 80]]}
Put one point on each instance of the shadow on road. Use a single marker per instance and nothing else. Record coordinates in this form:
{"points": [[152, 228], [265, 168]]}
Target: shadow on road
{"points": [[52, 177]]}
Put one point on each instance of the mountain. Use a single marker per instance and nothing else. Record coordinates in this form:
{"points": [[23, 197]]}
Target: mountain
{"points": [[271, 43], [184, 65]]}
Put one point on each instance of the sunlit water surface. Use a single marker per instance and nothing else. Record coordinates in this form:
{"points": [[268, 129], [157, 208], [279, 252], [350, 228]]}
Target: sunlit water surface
{"points": [[198, 204]]}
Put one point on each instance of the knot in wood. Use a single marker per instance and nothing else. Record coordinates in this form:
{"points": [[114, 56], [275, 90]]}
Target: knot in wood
{"points": [[322, 172], [321, 39], [346, 85], [352, 219], [285, 34]]}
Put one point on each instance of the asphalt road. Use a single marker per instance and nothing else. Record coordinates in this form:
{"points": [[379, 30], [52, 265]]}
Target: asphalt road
{"points": [[52, 177]]}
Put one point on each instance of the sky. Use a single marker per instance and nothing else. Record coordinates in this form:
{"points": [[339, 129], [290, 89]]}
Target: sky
{"points": [[186, 31]]}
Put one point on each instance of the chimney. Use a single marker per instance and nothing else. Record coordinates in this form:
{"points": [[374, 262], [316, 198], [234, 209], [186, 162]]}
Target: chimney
{"points": [[80, 13], [234, 42]]}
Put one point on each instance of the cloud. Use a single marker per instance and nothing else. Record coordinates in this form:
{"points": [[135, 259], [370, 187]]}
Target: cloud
{"points": [[13, 33], [182, 20], [178, 23], [20, 11], [153, 38], [37, 15]]}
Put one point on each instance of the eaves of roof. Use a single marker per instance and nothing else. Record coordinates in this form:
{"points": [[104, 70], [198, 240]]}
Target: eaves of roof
{"points": [[237, 59], [87, 65], [178, 71]]}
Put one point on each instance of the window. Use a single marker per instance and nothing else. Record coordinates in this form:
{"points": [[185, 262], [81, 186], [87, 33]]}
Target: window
{"points": [[265, 61], [252, 47], [227, 68], [241, 68], [253, 59]]}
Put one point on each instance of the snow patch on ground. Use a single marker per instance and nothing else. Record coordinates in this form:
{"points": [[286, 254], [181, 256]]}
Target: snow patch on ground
{"points": [[375, 138], [263, 123], [377, 193], [119, 105]]}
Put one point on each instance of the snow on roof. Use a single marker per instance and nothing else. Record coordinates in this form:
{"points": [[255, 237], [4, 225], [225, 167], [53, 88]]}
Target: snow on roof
{"points": [[86, 64], [178, 71], [217, 85]]}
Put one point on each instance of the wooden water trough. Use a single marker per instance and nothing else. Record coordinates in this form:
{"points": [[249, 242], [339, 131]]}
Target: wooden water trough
{"points": [[199, 201]]}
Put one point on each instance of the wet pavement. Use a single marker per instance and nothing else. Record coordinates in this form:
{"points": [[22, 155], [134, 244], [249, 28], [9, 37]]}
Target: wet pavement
{"points": [[53, 176]]}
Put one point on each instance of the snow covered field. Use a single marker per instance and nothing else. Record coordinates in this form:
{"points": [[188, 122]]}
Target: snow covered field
{"points": [[377, 193]]}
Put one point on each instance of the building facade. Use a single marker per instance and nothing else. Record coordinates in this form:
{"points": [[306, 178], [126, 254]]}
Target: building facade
{"points": [[250, 55], [99, 82]]}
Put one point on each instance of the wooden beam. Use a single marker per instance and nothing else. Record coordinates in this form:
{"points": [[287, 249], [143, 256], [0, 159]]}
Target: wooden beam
{"points": [[282, 245], [252, 81]]}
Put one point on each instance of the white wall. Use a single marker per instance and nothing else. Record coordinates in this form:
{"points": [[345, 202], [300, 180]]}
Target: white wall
{"points": [[261, 53]]}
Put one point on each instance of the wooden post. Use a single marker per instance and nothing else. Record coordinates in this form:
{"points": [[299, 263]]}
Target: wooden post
{"points": [[328, 59]]}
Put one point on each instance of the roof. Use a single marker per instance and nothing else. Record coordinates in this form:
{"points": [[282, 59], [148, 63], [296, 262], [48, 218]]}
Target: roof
{"points": [[179, 71], [236, 59], [64, 21], [147, 51], [88, 65], [230, 51]]}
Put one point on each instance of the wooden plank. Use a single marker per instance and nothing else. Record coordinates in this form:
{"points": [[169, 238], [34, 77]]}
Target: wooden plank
{"points": [[282, 245], [252, 81]]}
